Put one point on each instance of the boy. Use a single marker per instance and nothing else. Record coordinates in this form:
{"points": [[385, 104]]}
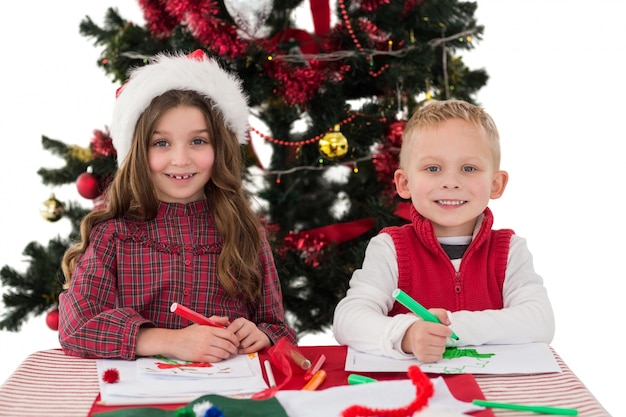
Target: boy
{"points": [[479, 282]]}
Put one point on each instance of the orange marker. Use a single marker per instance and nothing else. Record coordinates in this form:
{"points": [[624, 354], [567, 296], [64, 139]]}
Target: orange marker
{"points": [[316, 381]]}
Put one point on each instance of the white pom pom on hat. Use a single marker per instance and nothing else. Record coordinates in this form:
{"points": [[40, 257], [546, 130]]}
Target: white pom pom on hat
{"points": [[177, 71]]}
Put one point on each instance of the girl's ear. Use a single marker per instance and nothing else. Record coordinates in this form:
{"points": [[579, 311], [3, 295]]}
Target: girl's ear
{"points": [[498, 184], [402, 184]]}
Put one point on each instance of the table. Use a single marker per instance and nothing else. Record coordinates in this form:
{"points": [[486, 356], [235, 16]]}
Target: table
{"points": [[49, 383]]}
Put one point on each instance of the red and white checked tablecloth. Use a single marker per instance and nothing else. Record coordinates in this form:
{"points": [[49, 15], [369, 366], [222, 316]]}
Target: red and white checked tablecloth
{"points": [[49, 383]]}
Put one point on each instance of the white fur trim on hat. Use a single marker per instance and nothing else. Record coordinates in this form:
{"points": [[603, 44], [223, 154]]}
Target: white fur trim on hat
{"points": [[168, 72]]}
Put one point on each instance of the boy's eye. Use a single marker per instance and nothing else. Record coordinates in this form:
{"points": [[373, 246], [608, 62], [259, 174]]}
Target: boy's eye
{"points": [[468, 169], [432, 169]]}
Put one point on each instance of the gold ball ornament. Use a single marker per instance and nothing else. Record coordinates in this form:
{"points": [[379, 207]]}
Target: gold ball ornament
{"points": [[333, 145], [80, 153], [52, 209]]}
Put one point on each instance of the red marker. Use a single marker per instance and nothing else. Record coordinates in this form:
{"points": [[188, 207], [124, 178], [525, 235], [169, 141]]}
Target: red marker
{"points": [[191, 315]]}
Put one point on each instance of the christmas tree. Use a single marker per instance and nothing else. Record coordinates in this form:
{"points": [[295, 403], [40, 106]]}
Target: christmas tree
{"points": [[329, 103]]}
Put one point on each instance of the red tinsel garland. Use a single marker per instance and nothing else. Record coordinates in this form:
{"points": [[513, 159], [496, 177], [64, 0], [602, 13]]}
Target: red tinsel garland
{"points": [[102, 145], [298, 84], [371, 5], [159, 22]]}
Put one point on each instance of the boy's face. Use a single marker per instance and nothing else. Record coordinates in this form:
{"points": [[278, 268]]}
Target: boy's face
{"points": [[449, 175]]}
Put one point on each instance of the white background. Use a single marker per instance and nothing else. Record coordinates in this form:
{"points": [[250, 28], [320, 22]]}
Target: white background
{"points": [[555, 90]]}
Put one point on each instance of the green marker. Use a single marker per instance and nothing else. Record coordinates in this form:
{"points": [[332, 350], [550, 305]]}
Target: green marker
{"points": [[354, 379], [406, 300], [532, 408]]}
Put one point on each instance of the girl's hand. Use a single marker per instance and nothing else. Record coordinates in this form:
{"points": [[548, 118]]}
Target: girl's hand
{"points": [[197, 343], [205, 343], [251, 339]]}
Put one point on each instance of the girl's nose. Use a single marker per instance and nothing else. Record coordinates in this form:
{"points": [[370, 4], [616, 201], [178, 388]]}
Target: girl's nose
{"points": [[180, 156]]}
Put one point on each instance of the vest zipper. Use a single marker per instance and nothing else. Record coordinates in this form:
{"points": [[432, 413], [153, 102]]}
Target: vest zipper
{"points": [[457, 282]]}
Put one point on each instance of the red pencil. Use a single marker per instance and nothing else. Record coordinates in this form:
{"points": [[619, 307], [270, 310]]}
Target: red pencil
{"points": [[191, 315]]}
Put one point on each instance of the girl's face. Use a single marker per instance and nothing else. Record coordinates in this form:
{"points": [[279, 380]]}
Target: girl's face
{"points": [[450, 176], [181, 155]]}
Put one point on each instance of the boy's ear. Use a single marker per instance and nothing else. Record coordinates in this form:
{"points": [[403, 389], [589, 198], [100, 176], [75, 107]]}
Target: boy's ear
{"points": [[402, 184], [498, 184]]}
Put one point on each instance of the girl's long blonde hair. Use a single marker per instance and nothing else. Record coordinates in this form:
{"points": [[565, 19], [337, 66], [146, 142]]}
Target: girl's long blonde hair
{"points": [[132, 194]]}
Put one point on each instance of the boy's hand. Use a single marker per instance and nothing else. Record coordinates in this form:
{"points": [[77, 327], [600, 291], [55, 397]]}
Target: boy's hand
{"points": [[427, 340]]}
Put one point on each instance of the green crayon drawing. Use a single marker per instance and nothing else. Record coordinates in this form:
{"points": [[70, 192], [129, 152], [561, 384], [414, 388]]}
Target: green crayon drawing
{"points": [[454, 352], [465, 361]]}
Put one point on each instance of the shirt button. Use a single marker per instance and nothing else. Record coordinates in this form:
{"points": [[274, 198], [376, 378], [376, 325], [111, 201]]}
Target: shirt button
{"points": [[186, 291], [187, 262]]}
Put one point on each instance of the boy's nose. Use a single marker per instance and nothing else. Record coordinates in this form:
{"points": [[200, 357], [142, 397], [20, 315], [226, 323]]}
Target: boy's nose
{"points": [[450, 181]]}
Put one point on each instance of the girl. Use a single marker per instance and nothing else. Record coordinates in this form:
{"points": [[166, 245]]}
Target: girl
{"points": [[177, 228]]}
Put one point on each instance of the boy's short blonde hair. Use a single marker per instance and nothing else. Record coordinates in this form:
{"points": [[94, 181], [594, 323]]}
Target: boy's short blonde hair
{"points": [[435, 112]]}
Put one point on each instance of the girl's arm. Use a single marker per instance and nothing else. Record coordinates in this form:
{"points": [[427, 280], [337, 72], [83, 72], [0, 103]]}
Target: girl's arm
{"points": [[269, 316], [89, 324]]}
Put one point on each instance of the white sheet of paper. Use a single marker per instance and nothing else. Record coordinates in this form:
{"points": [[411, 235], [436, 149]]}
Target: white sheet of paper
{"points": [[331, 402], [531, 358], [135, 387]]}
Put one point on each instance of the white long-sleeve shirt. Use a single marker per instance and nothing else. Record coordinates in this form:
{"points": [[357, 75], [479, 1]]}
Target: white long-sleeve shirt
{"points": [[361, 321]]}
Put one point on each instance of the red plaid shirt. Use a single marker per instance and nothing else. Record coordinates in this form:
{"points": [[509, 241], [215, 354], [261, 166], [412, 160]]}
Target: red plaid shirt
{"points": [[133, 271]]}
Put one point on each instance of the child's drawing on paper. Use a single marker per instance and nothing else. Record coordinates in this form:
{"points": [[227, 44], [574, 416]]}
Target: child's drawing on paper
{"points": [[162, 366], [466, 361]]}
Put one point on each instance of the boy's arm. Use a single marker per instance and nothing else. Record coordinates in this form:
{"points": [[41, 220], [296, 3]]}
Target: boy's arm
{"points": [[360, 318], [527, 315]]}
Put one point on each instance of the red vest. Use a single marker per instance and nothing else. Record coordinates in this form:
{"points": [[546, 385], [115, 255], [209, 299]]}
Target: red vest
{"points": [[426, 273]]}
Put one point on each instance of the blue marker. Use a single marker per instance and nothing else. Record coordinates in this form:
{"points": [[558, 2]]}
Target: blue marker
{"points": [[406, 300]]}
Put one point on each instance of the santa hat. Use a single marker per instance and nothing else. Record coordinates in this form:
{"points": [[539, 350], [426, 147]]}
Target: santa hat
{"points": [[167, 72]]}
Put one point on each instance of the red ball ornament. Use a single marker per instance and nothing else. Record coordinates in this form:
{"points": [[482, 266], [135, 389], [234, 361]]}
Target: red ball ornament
{"points": [[395, 131], [52, 319], [87, 186]]}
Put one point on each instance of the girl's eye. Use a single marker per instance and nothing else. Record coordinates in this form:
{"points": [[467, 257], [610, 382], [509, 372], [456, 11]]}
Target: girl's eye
{"points": [[432, 169], [199, 141], [468, 169], [158, 143]]}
